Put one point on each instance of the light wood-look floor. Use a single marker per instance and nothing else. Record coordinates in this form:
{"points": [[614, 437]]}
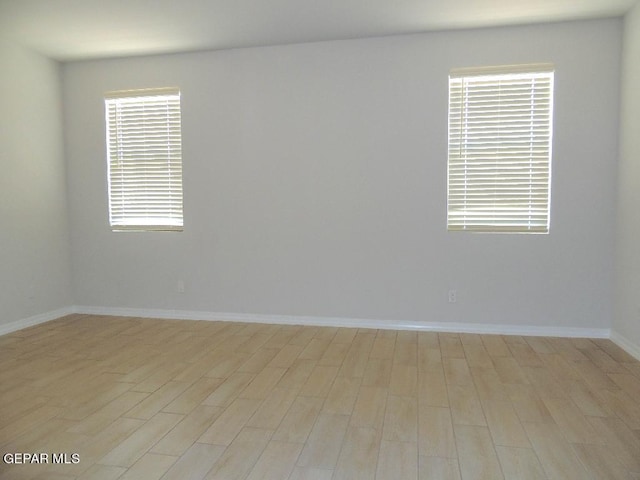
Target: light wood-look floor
{"points": [[150, 399]]}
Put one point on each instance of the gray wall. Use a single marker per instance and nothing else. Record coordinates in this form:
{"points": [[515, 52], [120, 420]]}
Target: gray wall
{"points": [[34, 241], [627, 317], [315, 183]]}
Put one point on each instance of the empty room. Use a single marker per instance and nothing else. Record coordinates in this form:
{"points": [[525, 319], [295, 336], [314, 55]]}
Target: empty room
{"points": [[297, 240]]}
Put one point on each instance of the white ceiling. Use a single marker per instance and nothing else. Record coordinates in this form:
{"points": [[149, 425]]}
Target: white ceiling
{"points": [[83, 29]]}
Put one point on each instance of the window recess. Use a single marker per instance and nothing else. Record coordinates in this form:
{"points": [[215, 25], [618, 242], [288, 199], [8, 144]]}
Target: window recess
{"points": [[499, 150], [144, 159]]}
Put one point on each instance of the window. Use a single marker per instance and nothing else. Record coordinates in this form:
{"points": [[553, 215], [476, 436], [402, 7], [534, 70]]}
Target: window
{"points": [[500, 129], [144, 156]]}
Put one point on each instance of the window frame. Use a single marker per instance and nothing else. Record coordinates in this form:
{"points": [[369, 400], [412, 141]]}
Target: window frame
{"points": [[144, 159], [480, 161]]}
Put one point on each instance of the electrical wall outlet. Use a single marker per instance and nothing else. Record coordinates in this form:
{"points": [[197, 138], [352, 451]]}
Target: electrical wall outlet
{"points": [[453, 296], [180, 286]]}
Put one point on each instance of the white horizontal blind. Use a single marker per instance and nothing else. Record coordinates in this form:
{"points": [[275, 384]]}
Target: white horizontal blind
{"points": [[500, 132], [144, 154]]}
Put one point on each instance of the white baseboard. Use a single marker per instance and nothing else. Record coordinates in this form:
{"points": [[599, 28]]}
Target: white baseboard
{"points": [[628, 346], [496, 329], [35, 320]]}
